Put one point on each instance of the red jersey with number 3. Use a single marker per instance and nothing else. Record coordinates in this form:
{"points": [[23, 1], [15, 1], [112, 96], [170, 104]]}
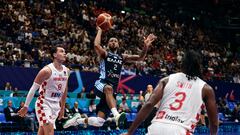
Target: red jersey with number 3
{"points": [[53, 88], [181, 102]]}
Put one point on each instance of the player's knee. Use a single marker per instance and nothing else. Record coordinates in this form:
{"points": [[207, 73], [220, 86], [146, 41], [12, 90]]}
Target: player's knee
{"points": [[108, 89]]}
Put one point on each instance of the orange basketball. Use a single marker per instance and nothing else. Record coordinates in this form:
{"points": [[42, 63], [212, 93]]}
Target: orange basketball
{"points": [[104, 21]]}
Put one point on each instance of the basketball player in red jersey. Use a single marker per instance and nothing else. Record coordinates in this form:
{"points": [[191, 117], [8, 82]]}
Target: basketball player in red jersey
{"points": [[182, 96], [52, 84]]}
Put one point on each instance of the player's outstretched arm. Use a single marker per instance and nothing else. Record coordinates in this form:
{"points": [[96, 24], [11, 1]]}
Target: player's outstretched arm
{"points": [[148, 107], [210, 102], [147, 42], [43, 75], [97, 44]]}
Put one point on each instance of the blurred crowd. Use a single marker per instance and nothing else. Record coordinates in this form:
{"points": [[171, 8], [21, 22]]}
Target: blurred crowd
{"points": [[28, 30]]}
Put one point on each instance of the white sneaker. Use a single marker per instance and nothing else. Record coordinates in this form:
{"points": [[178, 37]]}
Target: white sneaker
{"points": [[120, 119], [72, 121], [109, 119]]}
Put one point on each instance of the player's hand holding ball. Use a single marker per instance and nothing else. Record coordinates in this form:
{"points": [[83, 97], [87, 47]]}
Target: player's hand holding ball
{"points": [[104, 21]]}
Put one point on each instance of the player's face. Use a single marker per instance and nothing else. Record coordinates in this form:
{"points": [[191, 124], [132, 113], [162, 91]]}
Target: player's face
{"points": [[61, 54], [113, 44]]}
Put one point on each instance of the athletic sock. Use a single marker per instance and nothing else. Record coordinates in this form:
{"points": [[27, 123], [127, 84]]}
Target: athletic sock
{"points": [[114, 111]]}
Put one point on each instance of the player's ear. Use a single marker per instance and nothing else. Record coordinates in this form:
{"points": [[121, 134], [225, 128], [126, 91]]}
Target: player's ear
{"points": [[54, 55]]}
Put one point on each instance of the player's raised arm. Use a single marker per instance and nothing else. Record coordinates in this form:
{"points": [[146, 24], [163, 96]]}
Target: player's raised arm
{"points": [[147, 42], [43, 75], [210, 102], [97, 44]]}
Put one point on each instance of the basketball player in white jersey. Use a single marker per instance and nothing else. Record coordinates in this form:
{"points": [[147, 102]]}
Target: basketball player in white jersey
{"points": [[52, 84], [181, 97]]}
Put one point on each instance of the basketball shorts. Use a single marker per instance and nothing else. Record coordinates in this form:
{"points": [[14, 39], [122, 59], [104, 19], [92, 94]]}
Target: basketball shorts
{"points": [[157, 128], [98, 90], [47, 111]]}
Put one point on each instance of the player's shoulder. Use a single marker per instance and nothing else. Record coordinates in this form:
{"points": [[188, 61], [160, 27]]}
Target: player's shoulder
{"points": [[164, 80], [207, 87], [67, 69], [46, 70]]}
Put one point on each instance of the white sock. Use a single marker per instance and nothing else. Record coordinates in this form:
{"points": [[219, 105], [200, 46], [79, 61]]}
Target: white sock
{"points": [[114, 111]]}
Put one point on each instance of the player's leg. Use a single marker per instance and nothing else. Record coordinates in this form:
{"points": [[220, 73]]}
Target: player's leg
{"points": [[48, 129], [93, 121], [106, 93], [46, 113], [111, 102], [40, 131]]}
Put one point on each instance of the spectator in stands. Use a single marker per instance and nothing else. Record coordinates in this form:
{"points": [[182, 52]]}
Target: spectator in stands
{"points": [[91, 95], [26, 123], [68, 112], [148, 92], [82, 94], [92, 107], [10, 112], [236, 113], [8, 86], [141, 103], [123, 106], [76, 110]]}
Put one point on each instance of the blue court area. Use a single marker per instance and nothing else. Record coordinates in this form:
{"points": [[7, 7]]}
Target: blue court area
{"points": [[225, 129]]}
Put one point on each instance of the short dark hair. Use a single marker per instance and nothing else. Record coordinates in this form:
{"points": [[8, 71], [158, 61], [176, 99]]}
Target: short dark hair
{"points": [[54, 49], [191, 64]]}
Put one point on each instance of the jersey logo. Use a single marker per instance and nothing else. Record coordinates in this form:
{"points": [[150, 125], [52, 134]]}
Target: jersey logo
{"points": [[56, 94], [160, 114], [114, 61]]}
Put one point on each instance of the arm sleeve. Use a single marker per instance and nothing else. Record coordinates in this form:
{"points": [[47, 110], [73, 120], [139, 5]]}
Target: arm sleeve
{"points": [[31, 93]]}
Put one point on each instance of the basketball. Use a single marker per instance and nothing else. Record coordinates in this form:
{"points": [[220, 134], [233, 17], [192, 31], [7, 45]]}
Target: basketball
{"points": [[104, 21]]}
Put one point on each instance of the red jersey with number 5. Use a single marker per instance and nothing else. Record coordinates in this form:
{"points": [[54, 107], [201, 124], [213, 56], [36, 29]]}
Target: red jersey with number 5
{"points": [[53, 88], [181, 102]]}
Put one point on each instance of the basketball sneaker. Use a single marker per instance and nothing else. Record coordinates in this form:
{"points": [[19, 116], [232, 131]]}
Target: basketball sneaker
{"points": [[73, 121], [120, 119]]}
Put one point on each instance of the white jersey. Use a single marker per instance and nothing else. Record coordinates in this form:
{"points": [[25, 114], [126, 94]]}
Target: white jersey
{"points": [[53, 88], [181, 103]]}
